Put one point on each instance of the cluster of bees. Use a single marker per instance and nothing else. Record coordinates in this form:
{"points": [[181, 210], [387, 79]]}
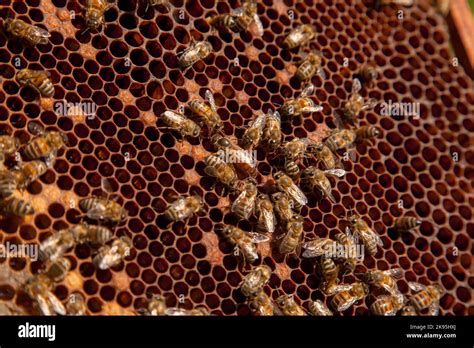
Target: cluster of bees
{"points": [[280, 202]]}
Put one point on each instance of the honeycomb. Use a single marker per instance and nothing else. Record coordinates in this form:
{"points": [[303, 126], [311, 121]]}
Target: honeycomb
{"points": [[129, 69]]}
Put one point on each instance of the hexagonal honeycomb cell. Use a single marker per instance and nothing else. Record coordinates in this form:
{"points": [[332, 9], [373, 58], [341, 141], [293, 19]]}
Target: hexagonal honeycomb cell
{"points": [[418, 166]]}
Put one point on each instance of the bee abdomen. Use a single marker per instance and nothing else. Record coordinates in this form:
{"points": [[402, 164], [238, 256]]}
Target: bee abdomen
{"points": [[406, 224], [88, 203], [7, 184], [16, 206]]}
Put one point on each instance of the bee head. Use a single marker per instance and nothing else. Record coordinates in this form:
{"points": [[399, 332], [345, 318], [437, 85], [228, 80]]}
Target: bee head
{"points": [[353, 219], [278, 175], [93, 22]]}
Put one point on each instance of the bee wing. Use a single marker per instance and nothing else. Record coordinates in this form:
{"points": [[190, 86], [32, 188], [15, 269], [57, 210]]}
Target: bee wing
{"points": [[56, 305], [237, 11], [260, 121], [176, 311], [259, 24], [416, 286], [238, 201], [36, 128], [258, 237], [376, 237], [269, 220], [42, 32], [407, 3], [312, 253], [298, 195], [356, 86], [174, 116], [210, 99], [433, 310], [321, 73], [308, 90], [106, 185], [211, 171], [370, 104], [394, 272], [96, 212], [312, 108], [347, 304], [336, 172]]}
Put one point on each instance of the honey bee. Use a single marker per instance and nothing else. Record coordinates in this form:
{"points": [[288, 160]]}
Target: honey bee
{"points": [[197, 51], [244, 241], [28, 172], [299, 37], [356, 103], [266, 218], [255, 280], [16, 206], [283, 206], [157, 3], [184, 207], [45, 144], [385, 280], [295, 149], [242, 160], [316, 179], [58, 270], [340, 139], [301, 105], [386, 305], [408, 311], [37, 80], [292, 169], [367, 74], [156, 306], [8, 183], [291, 240], [95, 10], [240, 18], [244, 205], [180, 123], [329, 272], [288, 306], [207, 112], [324, 155], [319, 308], [199, 311], [28, 33], [321, 247], [40, 288], [254, 131], [111, 255], [272, 130], [366, 132], [262, 304], [93, 234], [56, 245], [406, 224], [363, 232], [350, 251], [286, 184], [8, 145], [221, 170], [426, 297], [310, 66], [76, 304], [348, 295]]}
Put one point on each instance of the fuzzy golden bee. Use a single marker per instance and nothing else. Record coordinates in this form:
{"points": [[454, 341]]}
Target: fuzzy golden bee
{"points": [[156, 306], [310, 66], [198, 311], [295, 149], [289, 307], [262, 304], [40, 288], [272, 131], [283, 206], [16, 206], [321, 247], [300, 36], [76, 304], [302, 105], [58, 269], [111, 255], [56, 245], [361, 230], [426, 297], [243, 161], [244, 204], [366, 132], [265, 216], [319, 308], [184, 207], [386, 305], [385, 280], [181, 124], [406, 224], [45, 144], [94, 13], [93, 234], [329, 272], [195, 52], [27, 172], [8, 145], [324, 155], [244, 241], [351, 252], [103, 209], [38, 80], [367, 74], [254, 132], [378, 4], [207, 112], [356, 103], [340, 139], [316, 179], [224, 172], [291, 239], [285, 184], [25, 32], [348, 295], [255, 280]]}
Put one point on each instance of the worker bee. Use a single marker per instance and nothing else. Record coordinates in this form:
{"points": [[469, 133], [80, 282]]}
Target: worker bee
{"points": [[367, 74], [199, 311], [240, 18], [16, 206], [244, 241], [76, 304], [324, 155], [283, 206], [157, 3], [406, 224], [366, 132], [8, 183], [316, 179], [295, 149], [28, 172], [299, 36], [291, 239], [408, 311], [386, 305], [180, 123], [56, 245], [319, 308], [350, 250], [286, 184], [329, 272], [379, 3], [348, 295], [184, 207], [262, 304], [301, 105], [266, 218], [288, 306], [95, 10], [272, 130], [221, 170], [93, 234], [38, 80], [58, 270], [385, 280], [40, 288], [426, 297], [340, 138], [111, 255], [310, 66], [8, 145], [255, 280], [242, 160], [363, 232], [207, 112], [356, 103], [45, 145], [197, 51], [322, 247], [28, 33], [156, 306], [292, 169], [244, 205], [254, 131]]}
